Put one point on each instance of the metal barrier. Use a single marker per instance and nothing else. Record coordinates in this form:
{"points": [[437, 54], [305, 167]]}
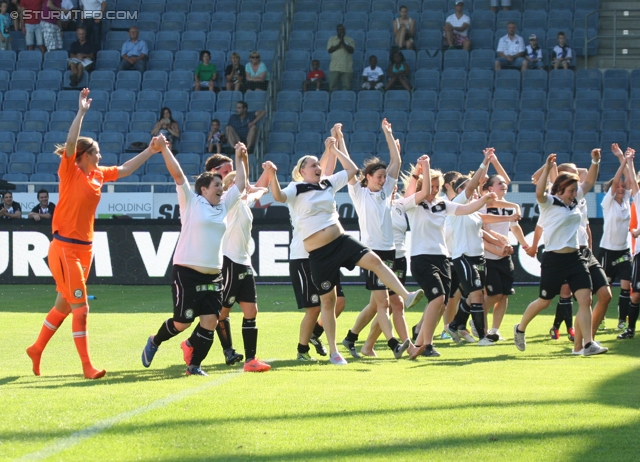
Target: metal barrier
{"points": [[613, 35]]}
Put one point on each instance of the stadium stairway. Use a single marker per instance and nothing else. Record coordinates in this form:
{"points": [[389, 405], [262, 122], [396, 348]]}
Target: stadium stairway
{"points": [[627, 41]]}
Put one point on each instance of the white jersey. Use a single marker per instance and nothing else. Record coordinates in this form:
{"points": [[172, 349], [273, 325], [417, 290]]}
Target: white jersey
{"points": [[313, 205], [500, 228], [560, 222], [400, 226], [427, 221], [467, 232], [203, 228], [583, 234], [616, 222], [296, 247], [235, 243], [374, 214]]}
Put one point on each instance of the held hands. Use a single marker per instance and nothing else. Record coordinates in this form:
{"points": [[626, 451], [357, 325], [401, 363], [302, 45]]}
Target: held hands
{"points": [[425, 164], [489, 197], [596, 155], [270, 168], [386, 127], [252, 189], [331, 143], [84, 101], [615, 149], [336, 132], [629, 154], [489, 154], [157, 143], [531, 251], [241, 150]]}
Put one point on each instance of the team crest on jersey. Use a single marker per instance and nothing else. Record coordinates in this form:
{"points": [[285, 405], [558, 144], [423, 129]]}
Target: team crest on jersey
{"points": [[77, 293], [188, 314], [383, 196], [326, 285], [315, 298], [477, 283], [490, 288], [232, 300]]}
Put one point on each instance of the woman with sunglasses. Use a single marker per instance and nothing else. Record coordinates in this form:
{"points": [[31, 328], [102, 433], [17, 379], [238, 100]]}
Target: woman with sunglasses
{"points": [[256, 73]]}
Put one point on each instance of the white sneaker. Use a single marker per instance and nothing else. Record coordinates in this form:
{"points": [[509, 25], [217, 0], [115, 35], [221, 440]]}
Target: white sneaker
{"points": [[486, 342], [594, 349], [413, 298], [337, 359], [466, 336], [474, 331], [455, 336], [519, 338], [401, 348], [577, 353], [495, 331]]}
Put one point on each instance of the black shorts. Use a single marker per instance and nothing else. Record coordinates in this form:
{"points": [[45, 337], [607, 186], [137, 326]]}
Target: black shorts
{"points": [[325, 262], [616, 264], [239, 283], [472, 272], [455, 282], [433, 275], [557, 269], [598, 276], [500, 276], [388, 257], [303, 287], [635, 273], [400, 270], [195, 294]]}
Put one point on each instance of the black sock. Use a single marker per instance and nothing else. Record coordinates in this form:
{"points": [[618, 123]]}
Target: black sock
{"points": [[393, 343], [623, 304], [303, 348], [250, 338], [462, 316], [588, 345], [477, 314], [568, 314], [518, 330], [318, 330], [223, 329], [561, 310], [167, 330], [634, 310], [351, 337], [201, 340]]}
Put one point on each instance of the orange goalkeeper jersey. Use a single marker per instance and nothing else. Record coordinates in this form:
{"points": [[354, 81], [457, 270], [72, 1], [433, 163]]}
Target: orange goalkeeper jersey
{"points": [[78, 199]]}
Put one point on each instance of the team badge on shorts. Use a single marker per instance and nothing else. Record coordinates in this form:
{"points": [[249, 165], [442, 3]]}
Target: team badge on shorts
{"points": [[326, 285], [434, 291], [77, 293], [490, 288], [241, 276], [232, 300], [638, 285], [543, 293], [379, 282], [477, 282], [188, 314], [315, 298]]}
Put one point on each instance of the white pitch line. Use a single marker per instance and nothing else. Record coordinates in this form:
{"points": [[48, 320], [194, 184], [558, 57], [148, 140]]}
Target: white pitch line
{"points": [[77, 437]]}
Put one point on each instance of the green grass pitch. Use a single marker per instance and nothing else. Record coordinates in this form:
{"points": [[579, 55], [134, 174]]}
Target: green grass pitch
{"points": [[472, 403]]}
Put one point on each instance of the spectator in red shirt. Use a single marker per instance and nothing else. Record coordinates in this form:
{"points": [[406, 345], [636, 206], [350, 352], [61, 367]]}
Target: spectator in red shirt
{"points": [[315, 76], [31, 28]]}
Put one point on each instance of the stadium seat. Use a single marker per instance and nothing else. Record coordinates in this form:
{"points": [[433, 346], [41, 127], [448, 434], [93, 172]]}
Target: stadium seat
{"points": [[366, 121]]}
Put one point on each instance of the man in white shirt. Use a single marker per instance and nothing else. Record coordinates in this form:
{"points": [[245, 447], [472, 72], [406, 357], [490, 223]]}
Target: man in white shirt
{"points": [[510, 50], [92, 15], [456, 28], [372, 75]]}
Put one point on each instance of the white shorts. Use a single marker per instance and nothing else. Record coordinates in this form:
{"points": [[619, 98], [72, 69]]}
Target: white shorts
{"points": [[34, 35]]}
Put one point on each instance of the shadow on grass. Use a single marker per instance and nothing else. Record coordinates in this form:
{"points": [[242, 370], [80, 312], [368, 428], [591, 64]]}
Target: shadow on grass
{"points": [[7, 380]]}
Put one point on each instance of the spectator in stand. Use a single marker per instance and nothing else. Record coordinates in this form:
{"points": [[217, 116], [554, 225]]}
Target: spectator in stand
{"points": [[5, 25], [14, 7], [510, 50], [341, 48], [506, 5], [315, 76], [256, 73], [206, 73], [68, 20], [404, 29], [456, 28], [533, 54], [81, 56], [216, 138], [234, 73], [31, 27], [8, 208], [243, 126], [44, 210], [561, 54], [398, 74], [92, 20], [134, 52], [372, 75], [166, 126], [51, 11]]}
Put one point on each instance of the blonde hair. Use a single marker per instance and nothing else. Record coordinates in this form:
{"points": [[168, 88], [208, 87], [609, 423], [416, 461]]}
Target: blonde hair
{"points": [[433, 175], [295, 174], [230, 178], [84, 144]]}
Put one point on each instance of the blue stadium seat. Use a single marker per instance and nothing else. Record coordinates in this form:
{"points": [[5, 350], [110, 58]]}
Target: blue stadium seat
{"points": [[476, 120], [608, 138], [16, 100], [194, 140], [434, 5], [503, 141], [427, 79], [398, 120], [339, 117], [23, 161], [148, 21], [168, 40], [143, 121], [47, 161], [449, 121], [281, 142], [343, 100], [43, 100], [160, 60], [29, 60], [228, 6], [23, 80], [149, 100], [285, 121], [534, 80], [7, 141], [362, 141], [122, 100], [128, 80], [481, 39], [308, 142], [560, 79], [560, 100], [478, 100], [446, 142], [227, 100], [181, 80], [173, 21], [315, 101], [586, 121], [530, 142], [588, 100], [203, 101], [92, 122], [504, 120], [116, 121], [49, 79], [289, 100], [36, 121], [197, 121], [39, 178], [111, 141], [107, 60], [507, 16], [426, 100], [451, 100], [61, 120], [366, 121], [417, 143], [8, 60], [102, 80], [615, 99], [533, 99], [310, 121], [188, 59], [271, 20], [531, 120], [369, 101], [508, 79], [559, 120], [614, 121], [305, 20], [482, 20], [397, 100], [429, 59], [472, 143], [421, 121], [154, 178], [453, 79], [558, 142], [297, 60]]}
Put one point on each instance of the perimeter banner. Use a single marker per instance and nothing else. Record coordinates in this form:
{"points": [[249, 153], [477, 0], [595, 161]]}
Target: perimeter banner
{"points": [[139, 252]]}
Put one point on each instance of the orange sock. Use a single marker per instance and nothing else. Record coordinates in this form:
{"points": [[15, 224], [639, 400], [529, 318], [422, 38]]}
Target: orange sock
{"points": [[51, 323], [81, 339]]}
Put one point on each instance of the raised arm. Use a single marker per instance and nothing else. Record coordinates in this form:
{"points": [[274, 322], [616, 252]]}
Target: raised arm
{"points": [[160, 143], [328, 160], [393, 169], [541, 186], [132, 165], [592, 175], [424, 165], [472, 184], [272, 171], [500, 169], [84, 102], [475, 205], [632, 184], [345, 161], [615, 149], [241, 161]]}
